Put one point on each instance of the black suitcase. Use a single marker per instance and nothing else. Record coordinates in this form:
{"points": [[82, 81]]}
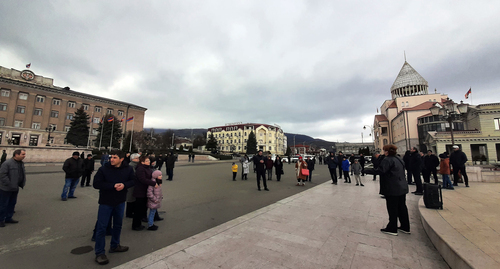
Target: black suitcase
{"points": [[433, 197]]}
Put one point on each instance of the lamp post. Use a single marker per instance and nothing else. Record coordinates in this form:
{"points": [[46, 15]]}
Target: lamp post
{"points": [[50, 130], [448, 112], [371, 131]]}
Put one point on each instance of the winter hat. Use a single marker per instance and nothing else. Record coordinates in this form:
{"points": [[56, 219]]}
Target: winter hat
{"points": [[76, 153], [456, 147], [156, 174], [300, 158]]}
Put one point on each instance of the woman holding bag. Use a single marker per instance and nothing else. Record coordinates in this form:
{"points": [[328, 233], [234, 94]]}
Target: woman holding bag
{"points": [[301, 172]]}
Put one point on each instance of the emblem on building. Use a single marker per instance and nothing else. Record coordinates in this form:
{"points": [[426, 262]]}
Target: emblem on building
{"points": [[27, 75]]}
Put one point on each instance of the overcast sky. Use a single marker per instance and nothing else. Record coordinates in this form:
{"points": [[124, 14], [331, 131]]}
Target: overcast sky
{"points": [[319, 68]]}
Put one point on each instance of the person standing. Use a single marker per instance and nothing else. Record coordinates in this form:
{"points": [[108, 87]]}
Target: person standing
{"points": [[159, 161], [143, 179], [345, 168], [278, 167], [112, 180], [4, 157], [407, 161], [351, 160], [242, 160], [73, 167], [362, 163], [246, 169], [88, 165], [12, 176], [416, 167], [234, 168], [170, 166], [269, 168], [192, 158], [104, 158], [394, 187], [457, 162], [82, 156], [444, 170], [301, 177], [189, 157], [431, 161], [259, 162], [332, 162], [340, 158], [155, 197], [310, 167], [376, 162], [129, 211], [320, 159], [356, 169], [127, 158]]}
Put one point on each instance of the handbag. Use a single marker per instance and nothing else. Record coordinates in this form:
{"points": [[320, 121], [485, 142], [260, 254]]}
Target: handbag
{"points": [[304, 172]]}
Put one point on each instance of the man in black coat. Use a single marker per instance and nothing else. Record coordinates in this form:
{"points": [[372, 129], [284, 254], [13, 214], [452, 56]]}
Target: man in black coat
{"points": [[332, 163], [351, 160], [416, 168], [431, 161], [74, 169], [159, 161], [88, 164], [260, 166], [4, 157], [362, 163], [310, 167], [457, 162], [407, 161], [340, 157], [170, 165], [376, 162]]}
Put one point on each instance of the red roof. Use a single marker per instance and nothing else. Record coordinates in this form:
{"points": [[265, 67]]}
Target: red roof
{"points": [[300, 146], [426, 115], [380, 118], [393, 105], [422, 106]]}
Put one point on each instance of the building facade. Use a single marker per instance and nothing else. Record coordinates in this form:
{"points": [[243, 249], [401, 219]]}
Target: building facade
{"points": [[353, 148], [30, 105], [233, 137]]}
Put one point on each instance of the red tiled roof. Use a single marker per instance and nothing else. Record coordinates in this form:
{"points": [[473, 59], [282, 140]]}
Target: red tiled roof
{"points": [[380, 118], [422, 106], [393, 105], [426, 115]]}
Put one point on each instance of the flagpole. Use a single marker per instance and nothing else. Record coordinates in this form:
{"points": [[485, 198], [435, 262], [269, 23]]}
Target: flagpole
{"points": [[131, 135], [121, 141], [111, 138], [102, 128], [90, 129], [470, 96]]}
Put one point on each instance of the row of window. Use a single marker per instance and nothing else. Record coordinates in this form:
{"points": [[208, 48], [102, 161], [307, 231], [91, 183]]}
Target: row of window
{"points": [[239, 134], [57, 102], [38, 126], [239, 148]]}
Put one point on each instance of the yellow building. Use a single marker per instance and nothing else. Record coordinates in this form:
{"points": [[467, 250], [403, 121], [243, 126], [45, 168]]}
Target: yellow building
{"points": [[233, 137], [29, 104]]}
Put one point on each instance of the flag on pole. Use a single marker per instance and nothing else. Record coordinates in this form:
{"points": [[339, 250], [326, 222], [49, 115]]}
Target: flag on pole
{"points": [[101, 119], [468, 92], [110, 119], [130, 119], [28, 65], [377, 110], [122, 119]]}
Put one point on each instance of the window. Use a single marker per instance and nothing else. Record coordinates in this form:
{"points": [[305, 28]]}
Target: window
{"points": [[23, 96], [270, 148], [85, 107], [40, 99], [260, 134], [497, 124], [72, 104], [5, 93], [34, 140], [96, 120], [37, 112], [3, 107], [403, 104], [2, 121], [56, 102], [18, 123], [20, 109], [110, 111], [69, 116], [384, 130], [95, 130], [35, 125], [66, 128], [1, 136], [120, 113], [97, 109], [53, 126], [54, 114], [407, 105]]}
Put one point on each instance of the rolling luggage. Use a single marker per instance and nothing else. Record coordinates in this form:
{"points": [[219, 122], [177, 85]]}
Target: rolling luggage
{"points": [[433, 196]]}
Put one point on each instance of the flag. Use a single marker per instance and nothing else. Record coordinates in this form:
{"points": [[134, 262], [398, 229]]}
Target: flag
{"points": [[101, 120], [110, 119], [28, 65], [130, 119], [122, 119], [468, 92], [377, 110]]}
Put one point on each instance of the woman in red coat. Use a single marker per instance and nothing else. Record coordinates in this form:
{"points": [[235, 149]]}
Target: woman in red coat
{"points": [[300, 167]]}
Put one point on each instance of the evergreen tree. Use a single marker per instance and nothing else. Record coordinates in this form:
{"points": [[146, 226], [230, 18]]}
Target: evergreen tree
{"points": [[126, 143], [78, 133], [211, 143], [109, 122], [288, 151], [251, 143]]}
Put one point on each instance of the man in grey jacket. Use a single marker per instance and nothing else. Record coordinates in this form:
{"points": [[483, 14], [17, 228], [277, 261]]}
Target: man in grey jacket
{"points": [[12, 176]]}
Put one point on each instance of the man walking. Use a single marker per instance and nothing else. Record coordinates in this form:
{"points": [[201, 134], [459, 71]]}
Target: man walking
{"points": [[457, 162], [431, 161], [332, 162], [376, 162], [269, 168], [340, 158], [12, 176], [4, 157], [407, 161], [310, 167], [170, 165], [192, 158], [74, 169], [89, 168], [112, 180], [416, 163], [259, 161]]}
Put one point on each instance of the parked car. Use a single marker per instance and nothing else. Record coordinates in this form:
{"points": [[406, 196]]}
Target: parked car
{"points": [[295, 158], [284, 159]]}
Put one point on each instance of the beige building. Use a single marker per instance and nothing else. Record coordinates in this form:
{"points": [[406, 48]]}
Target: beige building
{"points": [[397, 122], [29, 104], [233, 137]]}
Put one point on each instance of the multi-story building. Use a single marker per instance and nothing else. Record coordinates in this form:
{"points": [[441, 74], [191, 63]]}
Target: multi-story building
{"points": [[233, 137], [30, 105]]}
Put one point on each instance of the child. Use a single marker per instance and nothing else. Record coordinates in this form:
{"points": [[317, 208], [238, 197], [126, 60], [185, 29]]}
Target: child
{"points": [[154, 199], [235, 171], [356, 169], [345, 168], [444, 170], [245, 170]]}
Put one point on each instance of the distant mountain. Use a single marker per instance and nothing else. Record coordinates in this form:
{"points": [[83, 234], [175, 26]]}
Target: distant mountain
{"points": [[301, 139], [179, 132]]}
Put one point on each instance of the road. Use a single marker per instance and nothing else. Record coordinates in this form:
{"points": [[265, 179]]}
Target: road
{"points": [[200, 197]]}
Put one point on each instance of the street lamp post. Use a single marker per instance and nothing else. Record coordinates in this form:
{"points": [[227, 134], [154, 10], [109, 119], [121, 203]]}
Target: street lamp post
{"points": [[50, 130], [371, 131], [448, 112]]}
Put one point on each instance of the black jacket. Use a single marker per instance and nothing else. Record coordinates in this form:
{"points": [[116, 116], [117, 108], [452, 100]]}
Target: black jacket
{"points": [[89, 164], [259, 166], [73, 167], [407, 160], [171, 161], [376, 161], [392, 176], [278, 166], [310, 164], [332, 161], [431, 162], [458, 159], [143, 176], [415, 162], [362, 161], [106, 178]]}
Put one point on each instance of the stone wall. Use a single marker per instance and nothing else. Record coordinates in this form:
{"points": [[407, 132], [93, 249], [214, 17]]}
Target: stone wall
{"points": [[45, 154]]}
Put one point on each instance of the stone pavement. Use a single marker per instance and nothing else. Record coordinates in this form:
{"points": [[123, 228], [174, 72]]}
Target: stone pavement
{"points": [[466, 231], [324, 227]]}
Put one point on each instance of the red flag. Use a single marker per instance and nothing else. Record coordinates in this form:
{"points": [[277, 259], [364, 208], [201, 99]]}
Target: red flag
{"points": [[101, 120], [468, 92], [130, 119], [28, 65], [110, 119], [122, 119]]}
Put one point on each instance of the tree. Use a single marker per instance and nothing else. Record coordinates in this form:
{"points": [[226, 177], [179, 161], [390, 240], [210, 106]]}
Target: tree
{"points": [[288, 151], [126, 143], [200, 140], [78, 133], [211, 143], [181, 148], [109, 122], [251, 143]]}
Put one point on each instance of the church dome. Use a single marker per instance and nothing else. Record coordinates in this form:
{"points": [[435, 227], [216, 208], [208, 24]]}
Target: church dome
{"points": [[408, 83]]}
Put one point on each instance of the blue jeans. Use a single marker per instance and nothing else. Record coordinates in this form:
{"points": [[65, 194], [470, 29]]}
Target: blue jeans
{"points": [[151, 217], [70, 184], [447, 182], [8, 200], [103, 215]]}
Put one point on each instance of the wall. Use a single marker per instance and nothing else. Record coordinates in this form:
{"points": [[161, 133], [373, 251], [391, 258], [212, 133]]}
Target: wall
{"points": [[45, 154]]}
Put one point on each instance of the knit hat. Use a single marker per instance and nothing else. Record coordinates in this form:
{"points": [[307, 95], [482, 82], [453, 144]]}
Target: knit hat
{"points": [[300, 158], [76, 153], [456, 147], [156, 174]]}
